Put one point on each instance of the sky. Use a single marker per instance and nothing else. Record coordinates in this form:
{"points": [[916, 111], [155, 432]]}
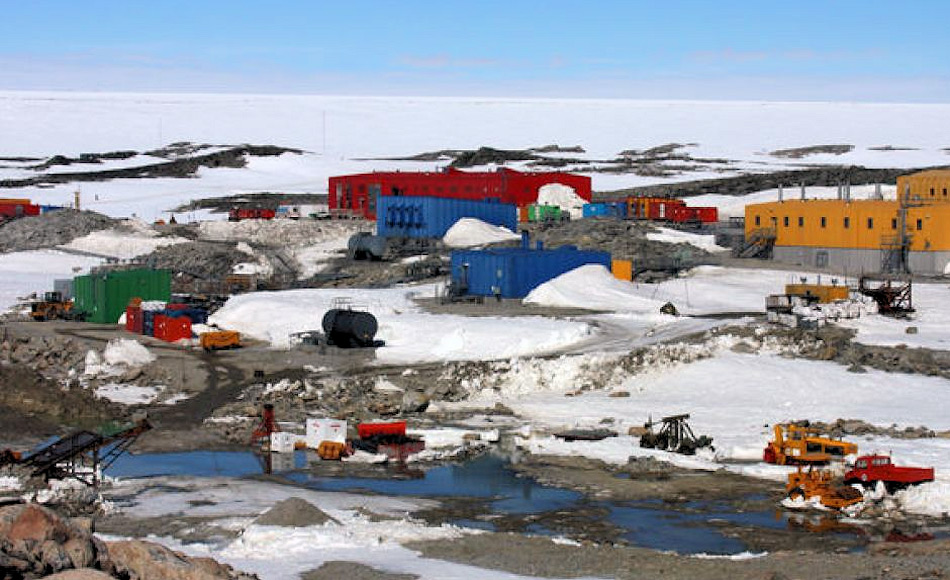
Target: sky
{"points": [[803, 50]]}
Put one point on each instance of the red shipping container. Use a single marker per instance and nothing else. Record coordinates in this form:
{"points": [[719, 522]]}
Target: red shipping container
{"points": [[177, 329], [133, 319], [367, 430], [174, 306], [707, 215]]}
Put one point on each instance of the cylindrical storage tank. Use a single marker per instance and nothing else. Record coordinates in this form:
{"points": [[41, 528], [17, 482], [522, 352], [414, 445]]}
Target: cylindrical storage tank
{"points": [[349, 328]]}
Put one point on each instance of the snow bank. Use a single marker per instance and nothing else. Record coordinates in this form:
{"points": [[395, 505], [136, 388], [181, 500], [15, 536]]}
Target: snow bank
{"points": [[593, 287], [121, 243], [468, 232], [128, 352], [931, 499], [410, 334], [701, 241], [562, 196], [119, 355]]}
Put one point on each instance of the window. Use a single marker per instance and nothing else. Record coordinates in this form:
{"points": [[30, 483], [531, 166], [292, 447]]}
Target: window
{"points": [[870, 223], [824, 221], [931, 192], [785, 221], [847, 223], [945, 192], [801, 222], [920, 224], [893, 223], [758, 221], [821, 259]]}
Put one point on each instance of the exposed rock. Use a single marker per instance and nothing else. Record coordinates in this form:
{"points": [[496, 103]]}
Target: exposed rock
{"points": [[415, 402], [337, 569], [34, 538], [138, 560], [294, 512], [81, 574], [50, 229]]}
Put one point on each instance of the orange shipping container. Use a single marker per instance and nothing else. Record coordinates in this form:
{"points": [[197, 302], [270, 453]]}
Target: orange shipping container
{"points": [[622, 269]]}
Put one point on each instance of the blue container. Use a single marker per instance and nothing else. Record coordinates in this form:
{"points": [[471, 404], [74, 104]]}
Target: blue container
{"points": [[431, 217], [196, 315], [148, 322], [515, 272], [49, 208], [614, 210]]}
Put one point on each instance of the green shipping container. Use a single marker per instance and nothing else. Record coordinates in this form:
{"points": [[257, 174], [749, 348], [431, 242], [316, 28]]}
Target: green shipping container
{"points": [[103, 297], [543, 213]]}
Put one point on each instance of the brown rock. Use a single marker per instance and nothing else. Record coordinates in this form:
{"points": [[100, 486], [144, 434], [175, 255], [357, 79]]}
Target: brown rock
{"points": [[619, 394], [637, 431], [80, 574], [138, 560], [25, 527], [81, 552]]}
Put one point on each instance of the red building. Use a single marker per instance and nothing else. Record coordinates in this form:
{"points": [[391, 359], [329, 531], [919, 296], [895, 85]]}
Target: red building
{"points": [[357, 193]]}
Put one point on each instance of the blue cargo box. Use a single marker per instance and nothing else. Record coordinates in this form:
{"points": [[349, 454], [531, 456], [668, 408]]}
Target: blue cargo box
{"points": [[515, 272], [431, 217], [615, 210]]}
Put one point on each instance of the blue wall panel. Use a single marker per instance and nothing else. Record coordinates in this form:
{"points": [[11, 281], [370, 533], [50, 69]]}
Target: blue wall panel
{"points": [[431, 217], [515, 272]]}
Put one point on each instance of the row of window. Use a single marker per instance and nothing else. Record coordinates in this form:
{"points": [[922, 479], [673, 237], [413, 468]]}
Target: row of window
{"points": [[824, 222]]}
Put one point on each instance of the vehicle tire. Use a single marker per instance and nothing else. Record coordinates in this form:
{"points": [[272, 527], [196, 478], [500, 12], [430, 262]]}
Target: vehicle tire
{"points": [[796, 493]]}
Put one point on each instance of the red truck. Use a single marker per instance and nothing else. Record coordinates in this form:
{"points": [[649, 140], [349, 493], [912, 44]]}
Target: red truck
{"points": [[869, 469]]}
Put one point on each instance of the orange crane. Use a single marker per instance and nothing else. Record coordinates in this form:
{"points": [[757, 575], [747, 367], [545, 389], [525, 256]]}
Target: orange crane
{"points": [[794, 444]]}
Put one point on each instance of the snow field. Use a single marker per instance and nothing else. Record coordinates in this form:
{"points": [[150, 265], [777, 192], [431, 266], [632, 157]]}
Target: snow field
{"points": [[593, 287], [410, 334]]}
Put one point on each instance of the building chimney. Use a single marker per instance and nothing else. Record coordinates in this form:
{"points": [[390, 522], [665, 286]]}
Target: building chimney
{"points": [[780, 192], [803, 191]]}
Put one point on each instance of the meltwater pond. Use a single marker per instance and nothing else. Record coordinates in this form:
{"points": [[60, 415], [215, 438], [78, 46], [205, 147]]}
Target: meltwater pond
{"points": [[500, 494]]}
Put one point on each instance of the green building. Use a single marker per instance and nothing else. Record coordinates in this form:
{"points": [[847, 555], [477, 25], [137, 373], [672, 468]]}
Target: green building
{"points": [[102, 296]]}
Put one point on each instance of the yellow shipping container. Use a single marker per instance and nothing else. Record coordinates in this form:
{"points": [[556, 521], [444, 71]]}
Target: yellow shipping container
{"points": [[622, 269], [823, 292]]}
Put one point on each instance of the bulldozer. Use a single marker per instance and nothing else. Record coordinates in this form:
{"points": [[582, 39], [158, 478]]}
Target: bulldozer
{"points": [[821, 482], [51, 307], [798, 445]]}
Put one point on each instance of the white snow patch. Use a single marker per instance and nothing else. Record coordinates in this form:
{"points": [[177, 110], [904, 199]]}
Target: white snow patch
{"points": [[128, 394], [122, 244], [562, 196], [410, 334], [593, 287], [10, 483], [701, 241], [469, 232]]}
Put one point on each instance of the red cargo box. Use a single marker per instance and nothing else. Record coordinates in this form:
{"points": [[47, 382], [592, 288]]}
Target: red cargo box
{"points": [[177, 329], [367, 430], [173, 306], [158, 326], [133, 319]]}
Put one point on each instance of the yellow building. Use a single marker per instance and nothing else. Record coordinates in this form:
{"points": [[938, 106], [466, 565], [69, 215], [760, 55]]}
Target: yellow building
{"points": [[862, 236]]}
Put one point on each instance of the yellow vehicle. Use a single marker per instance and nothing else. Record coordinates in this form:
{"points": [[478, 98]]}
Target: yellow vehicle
{"points": [[51, 307], [220, 339], [794, 444], [821, 482]]}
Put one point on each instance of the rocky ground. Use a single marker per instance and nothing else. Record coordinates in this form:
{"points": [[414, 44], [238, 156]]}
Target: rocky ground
{"points": [[36, 542]]}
